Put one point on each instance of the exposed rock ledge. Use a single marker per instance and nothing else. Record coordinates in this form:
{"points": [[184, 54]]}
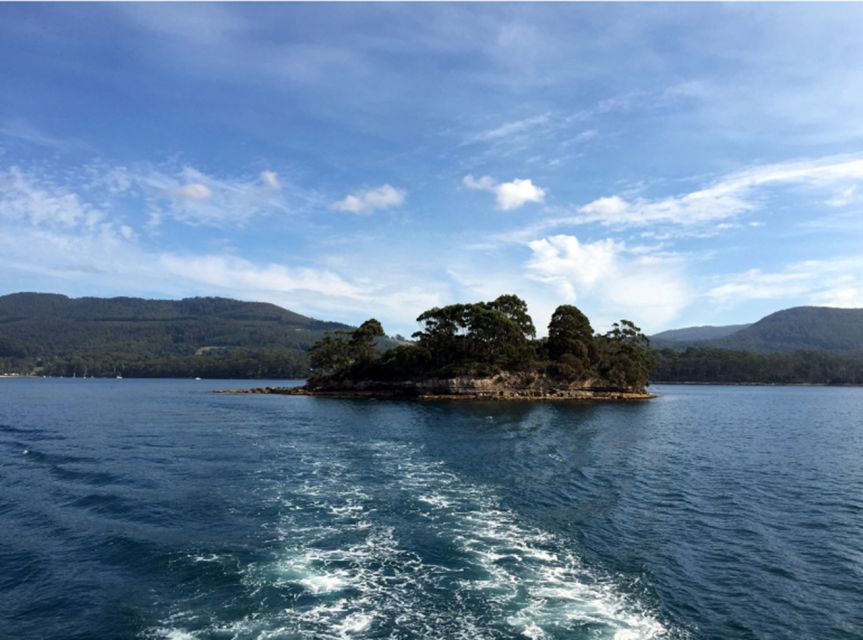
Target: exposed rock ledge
{"points": [[500, 387]]}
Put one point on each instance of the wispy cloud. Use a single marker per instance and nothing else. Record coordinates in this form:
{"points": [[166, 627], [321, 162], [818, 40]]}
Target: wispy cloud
{"points": [[706, 211], [196, 198], [509, 129], [832, 282], [369, 200], [25, 199], [728, 197], [22, 131]]}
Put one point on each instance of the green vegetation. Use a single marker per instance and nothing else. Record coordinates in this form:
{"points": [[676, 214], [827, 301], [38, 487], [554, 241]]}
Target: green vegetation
{"points": [[483, 339], [709, 365], [802, 345], [693, 335], [208, 337], [838, 331]]}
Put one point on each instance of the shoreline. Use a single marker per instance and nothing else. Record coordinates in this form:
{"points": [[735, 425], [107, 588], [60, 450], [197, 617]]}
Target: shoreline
{"points": [[583, 395], [759, 384]]}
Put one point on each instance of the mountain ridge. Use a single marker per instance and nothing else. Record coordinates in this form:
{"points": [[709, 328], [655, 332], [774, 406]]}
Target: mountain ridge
{"points": [[213, 336], [802, 328]]}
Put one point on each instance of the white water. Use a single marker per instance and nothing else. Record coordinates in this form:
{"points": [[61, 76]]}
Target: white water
{"points": [[352, 576]]}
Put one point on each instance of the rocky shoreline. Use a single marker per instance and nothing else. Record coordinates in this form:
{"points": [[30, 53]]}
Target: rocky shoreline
{"points": [[500, 387]]}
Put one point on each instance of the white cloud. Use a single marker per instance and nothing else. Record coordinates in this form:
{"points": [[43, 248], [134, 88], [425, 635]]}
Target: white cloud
{"points": [[831, 282], [509, 129], [370, 200], [567, 264], [508, 195], [732, 195], [41, 203], [271, 180], [844, 197], [196, 198], [237, 274], [606, 207], [847, 298], [194, 191], [615, 281]]}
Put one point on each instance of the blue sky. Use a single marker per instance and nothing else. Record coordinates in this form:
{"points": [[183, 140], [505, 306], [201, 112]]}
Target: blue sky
{"points": [[672, 164]]}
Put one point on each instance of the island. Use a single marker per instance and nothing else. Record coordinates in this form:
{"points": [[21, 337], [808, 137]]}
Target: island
{"points": [[482, 350]]}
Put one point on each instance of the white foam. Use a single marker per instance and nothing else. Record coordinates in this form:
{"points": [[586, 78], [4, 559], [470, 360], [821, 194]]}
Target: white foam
{"points": [[173, 634], [530, 574], [211, 557], [356, 579], [354, 623]]}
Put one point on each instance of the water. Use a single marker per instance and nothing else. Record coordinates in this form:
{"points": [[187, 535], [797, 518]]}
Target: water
{"points": [[156, 509]]}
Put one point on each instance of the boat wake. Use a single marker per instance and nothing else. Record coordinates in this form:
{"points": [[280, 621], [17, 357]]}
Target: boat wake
{"points": [[403, 548]]}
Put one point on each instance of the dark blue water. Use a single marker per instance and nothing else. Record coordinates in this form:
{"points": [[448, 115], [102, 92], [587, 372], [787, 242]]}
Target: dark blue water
{"points": [[156, 509]]}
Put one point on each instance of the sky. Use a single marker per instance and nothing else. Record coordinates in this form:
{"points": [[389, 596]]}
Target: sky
{"points": [[672, 164]]}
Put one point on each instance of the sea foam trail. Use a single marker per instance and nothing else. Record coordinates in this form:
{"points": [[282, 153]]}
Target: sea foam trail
{"points": [[529, 578], [452, 563]]}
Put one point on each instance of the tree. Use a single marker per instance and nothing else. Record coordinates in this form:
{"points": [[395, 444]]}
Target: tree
{"points": [[443, 334], [515, 309], [570, 334], [362, 341], [484, 334], [329, 355], [625, 356], [496, 339]]}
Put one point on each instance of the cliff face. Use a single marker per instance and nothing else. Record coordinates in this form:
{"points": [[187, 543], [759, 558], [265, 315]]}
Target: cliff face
{"points": [[504, 386]]}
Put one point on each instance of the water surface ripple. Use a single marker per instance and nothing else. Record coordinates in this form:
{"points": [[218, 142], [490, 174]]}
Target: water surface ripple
{"points": [[156, 509]]}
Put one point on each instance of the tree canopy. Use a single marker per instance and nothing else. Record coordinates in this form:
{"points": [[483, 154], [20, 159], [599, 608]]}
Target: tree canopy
{"points": [[486, 338]]}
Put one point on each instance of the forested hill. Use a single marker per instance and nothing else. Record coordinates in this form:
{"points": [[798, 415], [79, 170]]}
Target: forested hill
{"points": [[813, 345], [215, 337], [827, 329], [802, 328], [689, 335]]}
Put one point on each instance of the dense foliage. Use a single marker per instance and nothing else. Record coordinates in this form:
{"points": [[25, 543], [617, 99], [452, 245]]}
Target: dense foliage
{"points": [[486, 338], [724, 365], [207, 337], [838, 331]]}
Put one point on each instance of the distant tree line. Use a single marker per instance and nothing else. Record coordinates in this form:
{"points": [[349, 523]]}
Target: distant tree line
{"points": [[47, 334], [224, 363], [709, 365], [486, 338]]}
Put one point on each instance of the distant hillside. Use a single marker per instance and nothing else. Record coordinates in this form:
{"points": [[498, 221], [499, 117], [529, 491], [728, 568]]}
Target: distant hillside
{"points": [[811, 345], [694, 334], [796, 329], [215, 337], [801, 329]]}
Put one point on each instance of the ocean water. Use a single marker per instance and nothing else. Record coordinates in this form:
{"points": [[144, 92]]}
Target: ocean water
{"points": [[157, 509]]}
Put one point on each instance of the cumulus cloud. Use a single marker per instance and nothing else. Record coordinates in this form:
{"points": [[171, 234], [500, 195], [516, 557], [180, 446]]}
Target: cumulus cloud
{"points": [[566, 263], [369, 200], [615, 280], [508, 195]]}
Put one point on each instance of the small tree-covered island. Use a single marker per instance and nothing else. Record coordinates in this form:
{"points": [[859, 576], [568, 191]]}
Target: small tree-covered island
{"points": [[484, 350]]}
